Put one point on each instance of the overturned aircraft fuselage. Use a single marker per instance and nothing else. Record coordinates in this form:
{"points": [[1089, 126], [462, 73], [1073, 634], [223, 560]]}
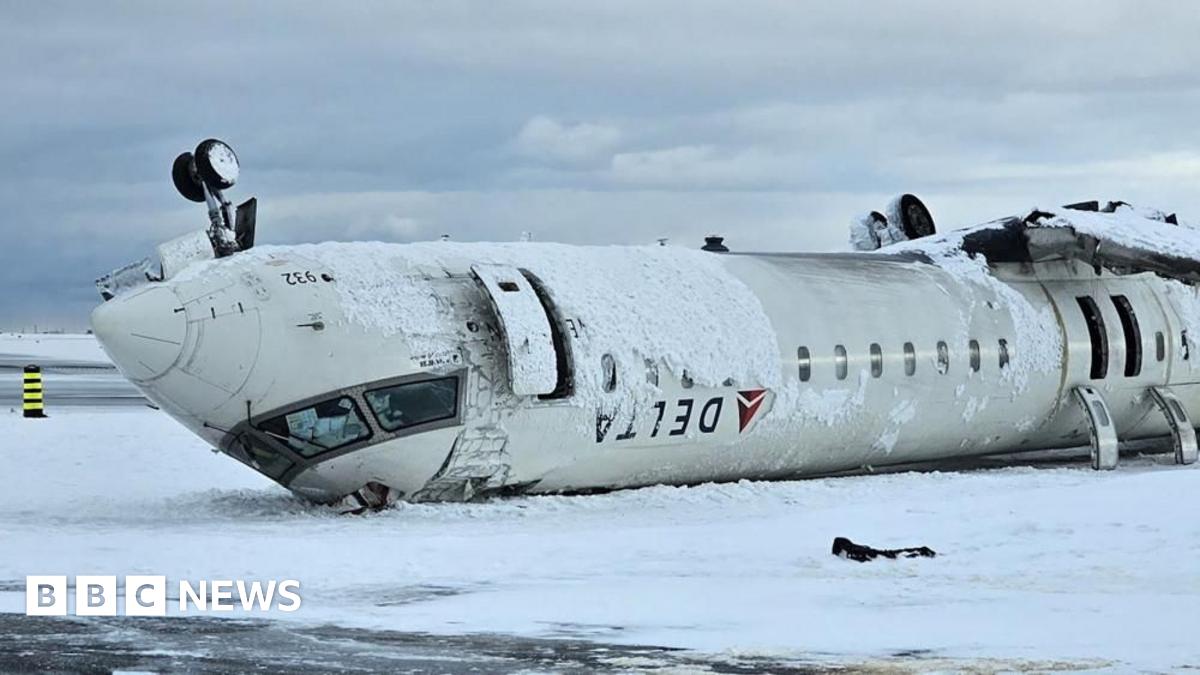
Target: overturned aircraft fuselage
{"points": [[370, 372]]}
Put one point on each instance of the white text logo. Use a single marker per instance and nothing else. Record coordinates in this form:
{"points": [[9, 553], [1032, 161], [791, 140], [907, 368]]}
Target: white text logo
{"points": [[146, 595]]}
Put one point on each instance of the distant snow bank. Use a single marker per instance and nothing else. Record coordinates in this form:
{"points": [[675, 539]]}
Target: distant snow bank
{"points": [[1055, 564], [53, 346]]}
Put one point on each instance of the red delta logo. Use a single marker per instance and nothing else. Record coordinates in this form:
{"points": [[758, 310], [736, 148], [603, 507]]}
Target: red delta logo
{"points": [[749, 401]]}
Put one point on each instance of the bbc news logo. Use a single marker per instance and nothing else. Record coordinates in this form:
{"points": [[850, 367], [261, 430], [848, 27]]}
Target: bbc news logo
{"points": [[146, 595]]}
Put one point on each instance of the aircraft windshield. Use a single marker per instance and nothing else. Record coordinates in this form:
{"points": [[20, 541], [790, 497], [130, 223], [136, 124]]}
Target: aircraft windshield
{"points": [[408, 405], [266, 460], [319, 428]]}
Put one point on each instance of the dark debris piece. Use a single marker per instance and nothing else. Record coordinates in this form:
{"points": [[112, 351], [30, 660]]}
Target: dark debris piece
{"points": [[844, 548]]}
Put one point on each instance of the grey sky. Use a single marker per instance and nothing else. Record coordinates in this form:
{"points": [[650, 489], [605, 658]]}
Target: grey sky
{"points": [[612, 122]]}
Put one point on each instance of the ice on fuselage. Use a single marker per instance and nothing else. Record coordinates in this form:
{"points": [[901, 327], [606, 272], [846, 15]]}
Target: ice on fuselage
{"points": [[676, 307]]}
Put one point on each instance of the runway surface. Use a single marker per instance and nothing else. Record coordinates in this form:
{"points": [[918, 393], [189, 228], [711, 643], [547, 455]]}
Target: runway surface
{"points": [[47, 644], [67, 382]]}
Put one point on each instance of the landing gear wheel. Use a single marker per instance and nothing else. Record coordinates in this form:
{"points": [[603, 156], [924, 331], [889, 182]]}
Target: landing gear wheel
{"points": [[915, 219], [216, 164], [185, 182]]}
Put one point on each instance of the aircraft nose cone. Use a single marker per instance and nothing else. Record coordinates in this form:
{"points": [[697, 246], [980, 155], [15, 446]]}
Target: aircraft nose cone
{"points": [[142, 332]]}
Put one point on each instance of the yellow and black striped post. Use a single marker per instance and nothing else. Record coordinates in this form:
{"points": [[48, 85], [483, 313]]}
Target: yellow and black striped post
{"points": [[33, 392]]}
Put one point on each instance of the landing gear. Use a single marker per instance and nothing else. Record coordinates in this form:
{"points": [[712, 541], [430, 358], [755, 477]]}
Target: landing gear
{"points": [[183, 174], [369, 498], [915, 219], [216, 164], [1100, 426], [203, 176], [1183, 434]]}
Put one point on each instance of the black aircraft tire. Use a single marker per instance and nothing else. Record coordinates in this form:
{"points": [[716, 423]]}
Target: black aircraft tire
{"points": [[915, 219], [204, 168], [181, 175]]}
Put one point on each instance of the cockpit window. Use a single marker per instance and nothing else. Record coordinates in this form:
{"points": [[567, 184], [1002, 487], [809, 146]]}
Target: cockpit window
{"points": [[263, 459], [319, 428], [408, 405]]}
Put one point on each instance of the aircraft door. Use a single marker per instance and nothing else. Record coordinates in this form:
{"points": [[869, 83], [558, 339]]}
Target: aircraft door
{"points": [[537, 362]]}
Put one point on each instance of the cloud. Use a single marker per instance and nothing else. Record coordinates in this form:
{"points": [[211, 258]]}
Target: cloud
{"points": [[770, 122], [706, 167], [546, 139]]}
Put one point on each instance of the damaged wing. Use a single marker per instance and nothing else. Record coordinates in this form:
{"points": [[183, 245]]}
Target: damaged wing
{"points": [[1118, 238]]}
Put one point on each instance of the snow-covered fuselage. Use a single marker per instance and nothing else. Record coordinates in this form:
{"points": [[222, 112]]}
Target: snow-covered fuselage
{"points": [[427, 369]]}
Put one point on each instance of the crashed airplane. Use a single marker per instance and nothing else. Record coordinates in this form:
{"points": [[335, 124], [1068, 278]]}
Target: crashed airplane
{"points": [[365, 373]]}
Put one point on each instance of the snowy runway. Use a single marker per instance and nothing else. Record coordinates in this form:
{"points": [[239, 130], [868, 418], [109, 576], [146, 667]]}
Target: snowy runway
{"points": [[1049, 567]]}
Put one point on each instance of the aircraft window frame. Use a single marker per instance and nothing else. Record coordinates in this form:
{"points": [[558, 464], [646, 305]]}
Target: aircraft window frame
{"points": [[804, 364], [841, 362], [387, 425], [300, 415], [231, 443], [1160, 346], [876, 360], [910, 359], [974, 355], [1002, 354], [272, 462], [943, 357]]}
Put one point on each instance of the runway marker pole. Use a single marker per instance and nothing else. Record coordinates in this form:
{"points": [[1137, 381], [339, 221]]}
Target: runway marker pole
{"points": [[33, 393]]}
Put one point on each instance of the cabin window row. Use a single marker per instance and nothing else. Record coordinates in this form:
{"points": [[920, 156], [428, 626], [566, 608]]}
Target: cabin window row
{"points": [[841, 359]]}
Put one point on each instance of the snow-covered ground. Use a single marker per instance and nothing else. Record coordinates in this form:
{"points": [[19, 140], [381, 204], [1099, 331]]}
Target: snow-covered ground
{"points": [[60, 347], [1057, 566], [76, 370]]}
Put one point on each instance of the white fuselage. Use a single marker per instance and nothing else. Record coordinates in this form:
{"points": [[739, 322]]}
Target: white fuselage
{"points": [[669, 366]]}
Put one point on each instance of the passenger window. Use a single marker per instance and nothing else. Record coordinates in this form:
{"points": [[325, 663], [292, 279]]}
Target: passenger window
{"points": [[1183, 341], [910, 359], [805, 363], [1003, 351], [415, 403], [319, 428], [973, 348], [840, 362], [1160, 346], [609, 365], [943, 358], [876, 360], [652, 372]]}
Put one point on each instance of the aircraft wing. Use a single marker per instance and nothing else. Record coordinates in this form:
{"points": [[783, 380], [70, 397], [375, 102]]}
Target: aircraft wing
{"points": [[1124, 240]]}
